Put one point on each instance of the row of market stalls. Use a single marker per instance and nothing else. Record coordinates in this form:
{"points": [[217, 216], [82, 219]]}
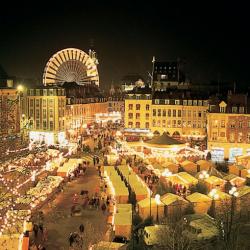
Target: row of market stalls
{"points": [[26, 184]]}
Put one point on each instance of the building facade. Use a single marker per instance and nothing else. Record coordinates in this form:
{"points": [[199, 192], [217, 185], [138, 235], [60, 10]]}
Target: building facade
{"points": [[229, 127], [45, 111], [179, 114]]}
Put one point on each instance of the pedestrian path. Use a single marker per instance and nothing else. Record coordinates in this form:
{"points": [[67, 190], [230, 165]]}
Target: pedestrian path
{"points": [[89, 157], [60, 223]]}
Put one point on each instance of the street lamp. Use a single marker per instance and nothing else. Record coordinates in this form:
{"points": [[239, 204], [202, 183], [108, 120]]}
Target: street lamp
{"points": [[158, 202]]}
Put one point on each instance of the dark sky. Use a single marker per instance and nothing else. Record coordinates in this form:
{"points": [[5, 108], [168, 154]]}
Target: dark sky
{"points": [[212, 38]]}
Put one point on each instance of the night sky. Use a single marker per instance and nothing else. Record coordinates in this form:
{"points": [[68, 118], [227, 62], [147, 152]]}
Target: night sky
{"points": [[212, 39]]}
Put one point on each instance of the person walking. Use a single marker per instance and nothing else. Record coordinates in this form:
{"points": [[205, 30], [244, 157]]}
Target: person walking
{"points": [[103, 208], [81, 228]]}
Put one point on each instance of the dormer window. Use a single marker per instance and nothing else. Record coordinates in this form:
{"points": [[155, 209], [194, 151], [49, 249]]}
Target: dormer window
{"points": [[222, 109], [241, 110], [234, 109], [167, 101], [177, 102], [157, 101]]}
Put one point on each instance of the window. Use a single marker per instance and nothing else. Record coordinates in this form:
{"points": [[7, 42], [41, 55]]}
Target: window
{"points": [[159, 112], [167, 101], [189, 124], [169, 112], [158, 123], [147, 116], [37, 124], [154, 112], [147, 124], [45, 92], [231, 137], [37, 92], [195, 102], [234, 109], [185, 102], [154, 123], [200, 102], [137, 124], [157, 101], [130, 106], [137, 115], [240, 137], [164, 123], [147, 106], [205, 103], [44, 125], [222, 124], [137, 106], [232, 124], [51, 125], [190, 102], [51, 113], [37, 103], [130, 124], [179, 113], [37, 113], [44, 114], [248, 138], [215, 124], [184, 113], [194, 114], [214, 136], [174, 123], [222, 109], [240, 124], [51, 102], [31, 102], [194, 125], [137, 97], [130, 115], [179, 123], [44, 102], [174, 113], [164, 112], [189, 113], [169, 123], [222, 134], [177, 102], [241, 110], [199, 114]]}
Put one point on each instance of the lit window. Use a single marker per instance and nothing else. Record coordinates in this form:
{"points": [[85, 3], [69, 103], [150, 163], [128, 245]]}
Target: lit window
{"points": [[157, 101], [147, 106], [138, 106], [222, 109], [177, 102], [234, 109], [167, 101], [159, 112], [130, 106], [241, 110], [137, 115], [130, 115]]}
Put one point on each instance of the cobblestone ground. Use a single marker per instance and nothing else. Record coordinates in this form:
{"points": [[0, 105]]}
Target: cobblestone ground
{"points": [[60, 223]]}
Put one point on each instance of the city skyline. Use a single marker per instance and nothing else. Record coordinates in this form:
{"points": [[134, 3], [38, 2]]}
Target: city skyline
{"points": [[213, 44]]}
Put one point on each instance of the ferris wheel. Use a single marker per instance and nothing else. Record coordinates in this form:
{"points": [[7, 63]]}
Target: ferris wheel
{"points": [[71, 65]]}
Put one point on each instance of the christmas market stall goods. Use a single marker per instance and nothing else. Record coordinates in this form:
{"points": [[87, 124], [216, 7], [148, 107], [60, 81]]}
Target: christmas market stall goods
{"points": [[15, 223]]}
